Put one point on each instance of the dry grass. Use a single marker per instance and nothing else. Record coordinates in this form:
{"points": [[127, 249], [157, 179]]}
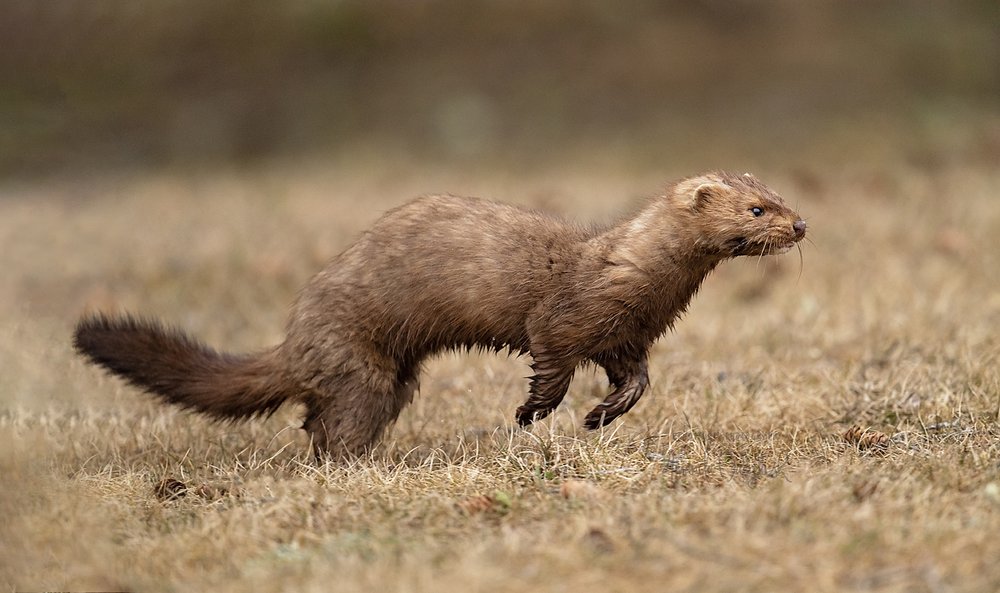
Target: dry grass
{"points": [[732, 474]]}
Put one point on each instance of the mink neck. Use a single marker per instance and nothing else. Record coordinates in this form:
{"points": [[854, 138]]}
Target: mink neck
{"points": [[662, 242], [663, 260]]}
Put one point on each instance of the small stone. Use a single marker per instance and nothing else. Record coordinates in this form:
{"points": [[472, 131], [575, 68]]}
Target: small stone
{"points": [[864, 489], [475, 505], [579, 489], [992, 491], [598, 541]]}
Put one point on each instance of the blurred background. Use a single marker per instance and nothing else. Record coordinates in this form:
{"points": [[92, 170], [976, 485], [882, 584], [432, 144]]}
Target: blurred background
{"points": [[107, 85]]}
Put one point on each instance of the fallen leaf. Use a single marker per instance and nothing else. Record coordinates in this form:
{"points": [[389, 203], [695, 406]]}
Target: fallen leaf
{"points": [[170, 489]]}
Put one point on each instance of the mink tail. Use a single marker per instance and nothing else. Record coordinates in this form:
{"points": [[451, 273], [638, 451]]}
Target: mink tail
{"points": [[183, 371]]}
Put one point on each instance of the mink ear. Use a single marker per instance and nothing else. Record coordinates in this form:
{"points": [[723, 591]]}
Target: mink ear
{"points": [[705, 193]]}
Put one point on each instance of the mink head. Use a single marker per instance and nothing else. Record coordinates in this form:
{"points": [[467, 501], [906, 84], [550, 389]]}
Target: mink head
{"points": [[738, 215]]}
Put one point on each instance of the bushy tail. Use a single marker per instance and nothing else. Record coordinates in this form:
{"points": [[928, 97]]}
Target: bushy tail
{"points": [[181, 370]]}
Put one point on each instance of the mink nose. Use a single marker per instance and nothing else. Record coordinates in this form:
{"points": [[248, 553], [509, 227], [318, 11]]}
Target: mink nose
{"points": [[799, 226]]}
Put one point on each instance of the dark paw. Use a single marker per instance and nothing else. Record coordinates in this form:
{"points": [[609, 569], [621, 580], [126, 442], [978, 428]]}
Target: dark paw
{"points": [[598, 417], [526, 416]]}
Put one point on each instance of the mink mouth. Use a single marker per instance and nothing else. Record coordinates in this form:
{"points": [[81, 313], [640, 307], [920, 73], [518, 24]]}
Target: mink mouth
{"points": [[742, 246]]}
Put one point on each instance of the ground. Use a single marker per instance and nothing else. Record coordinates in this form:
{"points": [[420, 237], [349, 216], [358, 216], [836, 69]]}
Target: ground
{"points": [[732, 473]]}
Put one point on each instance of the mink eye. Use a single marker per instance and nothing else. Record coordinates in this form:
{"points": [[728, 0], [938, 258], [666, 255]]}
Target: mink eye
{"points": [[757, 210]]}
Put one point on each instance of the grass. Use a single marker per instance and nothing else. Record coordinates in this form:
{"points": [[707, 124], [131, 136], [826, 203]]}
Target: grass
{"points": [[731, 474]]}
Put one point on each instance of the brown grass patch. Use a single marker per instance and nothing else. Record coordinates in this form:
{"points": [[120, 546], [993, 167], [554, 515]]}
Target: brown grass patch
{"points": [[733, 473]]}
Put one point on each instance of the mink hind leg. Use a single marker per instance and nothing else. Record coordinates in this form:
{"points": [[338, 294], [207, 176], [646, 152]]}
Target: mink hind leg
{"points": [[347, 416]]}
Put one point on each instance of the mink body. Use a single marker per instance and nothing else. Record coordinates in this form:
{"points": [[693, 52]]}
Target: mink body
{"points": [[445, 272]]}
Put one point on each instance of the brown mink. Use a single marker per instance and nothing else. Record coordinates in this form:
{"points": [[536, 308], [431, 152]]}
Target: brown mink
{"points": [[445, 272]]}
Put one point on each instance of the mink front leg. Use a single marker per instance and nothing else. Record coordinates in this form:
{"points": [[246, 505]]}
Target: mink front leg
{"points": [[548, 387], [629, 377]]}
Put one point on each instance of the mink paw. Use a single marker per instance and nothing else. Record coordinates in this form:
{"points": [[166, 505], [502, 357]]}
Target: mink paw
{"points": [[599, 417], [526, 416]]}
